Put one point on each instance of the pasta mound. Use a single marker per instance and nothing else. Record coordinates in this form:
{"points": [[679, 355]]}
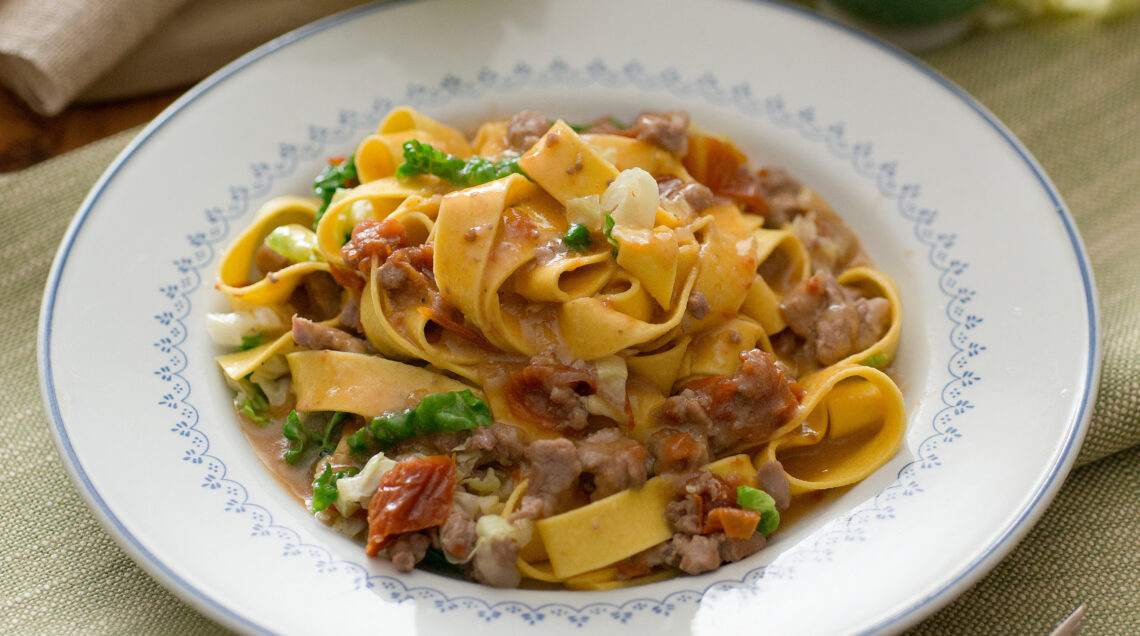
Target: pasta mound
{"points": [[585, 355]]}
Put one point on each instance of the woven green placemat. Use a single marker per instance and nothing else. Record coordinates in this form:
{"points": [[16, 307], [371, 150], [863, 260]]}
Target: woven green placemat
{"points": [[1070, 91]]}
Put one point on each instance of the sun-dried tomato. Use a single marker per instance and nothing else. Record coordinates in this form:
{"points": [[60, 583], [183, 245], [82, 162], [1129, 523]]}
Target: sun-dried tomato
{"points": [[724, 169], [736, 523], [371, 238], [414, 494], [679, 447]]}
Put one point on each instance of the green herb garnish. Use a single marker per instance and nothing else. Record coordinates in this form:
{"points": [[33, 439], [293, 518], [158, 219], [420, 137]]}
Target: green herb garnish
{"points": [[437, 413], [249, 342], [877, 360], [577, 237], [252, 403], [297, 437], [608, 229], [324, 487], [421, 158], [328, 436], [757, 500], [331, 179]]}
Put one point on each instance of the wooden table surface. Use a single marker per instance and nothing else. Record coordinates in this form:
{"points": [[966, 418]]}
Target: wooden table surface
{"points": [[27, 138]]}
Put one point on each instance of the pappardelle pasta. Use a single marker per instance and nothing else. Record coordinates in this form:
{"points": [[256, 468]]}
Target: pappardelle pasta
{"points": [[581, 356]]}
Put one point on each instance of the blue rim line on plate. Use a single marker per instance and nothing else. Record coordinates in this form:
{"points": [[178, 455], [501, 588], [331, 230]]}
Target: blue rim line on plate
{"points": [[1020, 526]]}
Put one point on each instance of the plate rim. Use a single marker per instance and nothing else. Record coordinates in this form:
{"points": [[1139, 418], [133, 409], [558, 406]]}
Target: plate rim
{"points": [[1024, 520]]}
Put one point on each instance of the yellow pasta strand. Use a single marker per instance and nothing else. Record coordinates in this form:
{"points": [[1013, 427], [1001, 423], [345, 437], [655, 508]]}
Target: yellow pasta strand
{"points": [[235, 265], [621, 525], [363, 384], [849, 403]]}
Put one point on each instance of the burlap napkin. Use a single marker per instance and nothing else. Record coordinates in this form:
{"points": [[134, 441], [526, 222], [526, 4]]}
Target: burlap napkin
{"points": [[55, 51], [51, 50], [1069, 91]]}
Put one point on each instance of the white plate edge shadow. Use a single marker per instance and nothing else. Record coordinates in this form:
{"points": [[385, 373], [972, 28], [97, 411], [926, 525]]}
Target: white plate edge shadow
{"points": [[971, 572]]}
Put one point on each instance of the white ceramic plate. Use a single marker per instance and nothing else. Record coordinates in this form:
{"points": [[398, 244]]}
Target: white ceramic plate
{"points": [[998, 362]]}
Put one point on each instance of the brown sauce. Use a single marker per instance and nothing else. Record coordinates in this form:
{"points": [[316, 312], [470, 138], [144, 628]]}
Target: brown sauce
{"points": [[269, 444], [812, 462]]}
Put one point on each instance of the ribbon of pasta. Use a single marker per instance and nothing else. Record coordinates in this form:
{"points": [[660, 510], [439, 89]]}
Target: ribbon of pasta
{"points": [[239, 364], [876, 283], [373, 200], [621, 525], [234, 268], [852, 421], [362, 384], [473, 261]]}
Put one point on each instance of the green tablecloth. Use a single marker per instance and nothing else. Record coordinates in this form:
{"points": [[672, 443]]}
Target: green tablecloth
{"points": [[1069, 90]]}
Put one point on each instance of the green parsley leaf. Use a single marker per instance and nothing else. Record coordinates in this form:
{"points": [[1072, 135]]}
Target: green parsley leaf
{"points": [[757, 500], [608, 229], [421, 158], [252, 403], [249, 342], [324, 487], [328, 437], [449, 412], [297, 437], [577, 237], [331, 179], [877, 360]]}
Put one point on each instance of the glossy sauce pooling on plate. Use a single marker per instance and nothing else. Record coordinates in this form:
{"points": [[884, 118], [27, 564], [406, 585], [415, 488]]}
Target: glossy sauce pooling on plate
{"points": [[584, 355]]}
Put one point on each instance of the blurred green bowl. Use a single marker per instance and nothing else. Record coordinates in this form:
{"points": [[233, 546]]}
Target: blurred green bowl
{"points": [[907, 12]]}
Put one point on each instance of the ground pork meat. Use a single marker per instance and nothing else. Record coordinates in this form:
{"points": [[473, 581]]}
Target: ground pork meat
{"points": [[695, 196], [391, 276], [698, 553], [665, 130], [407, 550], [550, 394], [317, 297], [349, 316], [772, 479], [836, 321], [738, 412], [324, 295], [373, 238], [781, 192], [552, 478], [675, 451], [733, 550], [615, 461], [499, 443], [698, 492], [698, 305], [494, 563], [457, 535], [684, 515], [525, 128], [269, 260], [661, 555], [314, 335]]}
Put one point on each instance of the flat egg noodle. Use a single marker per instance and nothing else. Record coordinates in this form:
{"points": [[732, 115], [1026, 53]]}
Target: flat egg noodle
{"points": [[606, 531], [237, 263], [633, 153], [876, 283], [379, 198], [842, 401], [362, 384]]}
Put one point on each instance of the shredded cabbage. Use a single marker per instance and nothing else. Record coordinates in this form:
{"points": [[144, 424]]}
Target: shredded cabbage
{"points": [[354, 493], [227, 329], [632, 199]]}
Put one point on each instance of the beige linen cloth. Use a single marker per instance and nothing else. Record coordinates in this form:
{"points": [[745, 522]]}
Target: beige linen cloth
{"points": [[1070, 91], [55, 51]]}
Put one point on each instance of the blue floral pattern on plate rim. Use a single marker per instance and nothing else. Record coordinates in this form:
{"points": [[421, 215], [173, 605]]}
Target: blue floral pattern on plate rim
{"points": [[350, 124]]}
